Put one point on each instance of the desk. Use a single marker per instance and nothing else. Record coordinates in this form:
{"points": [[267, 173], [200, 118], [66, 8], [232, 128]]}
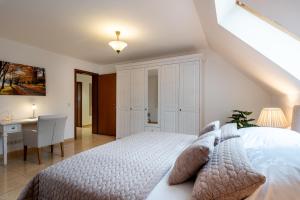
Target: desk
{"points": [[10, 127]]}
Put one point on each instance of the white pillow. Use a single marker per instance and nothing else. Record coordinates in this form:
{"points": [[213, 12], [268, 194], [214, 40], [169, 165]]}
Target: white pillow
{"points": [[229, 131], [212, 126], [269, 138]]}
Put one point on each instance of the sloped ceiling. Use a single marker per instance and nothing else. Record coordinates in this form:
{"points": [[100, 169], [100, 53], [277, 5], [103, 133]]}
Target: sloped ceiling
{"points": [[248, 60], [83, 28]]}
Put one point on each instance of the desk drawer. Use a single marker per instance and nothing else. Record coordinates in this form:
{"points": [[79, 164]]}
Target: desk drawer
{"points": [[12, 128]]}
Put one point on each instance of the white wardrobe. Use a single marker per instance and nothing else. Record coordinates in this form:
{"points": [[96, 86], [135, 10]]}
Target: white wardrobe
{"points": [[160, 95]]}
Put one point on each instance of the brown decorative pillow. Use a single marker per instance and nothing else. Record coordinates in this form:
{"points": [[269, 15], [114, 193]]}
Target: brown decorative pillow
{"points": [[215, 125], [228, 174], [229, 131], [191, 160]]}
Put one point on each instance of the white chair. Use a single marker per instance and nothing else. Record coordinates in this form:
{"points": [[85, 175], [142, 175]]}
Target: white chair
{"points": [[50, 131]]}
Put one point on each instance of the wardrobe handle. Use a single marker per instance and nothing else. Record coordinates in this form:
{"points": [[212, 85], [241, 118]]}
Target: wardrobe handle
{"points": [[180, 109]]}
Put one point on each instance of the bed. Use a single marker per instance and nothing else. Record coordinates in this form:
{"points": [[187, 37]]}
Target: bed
{"points": [[137, 167], [272, 151]]}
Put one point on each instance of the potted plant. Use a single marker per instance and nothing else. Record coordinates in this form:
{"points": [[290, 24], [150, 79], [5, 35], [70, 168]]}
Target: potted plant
{"points": [[241, 119]]}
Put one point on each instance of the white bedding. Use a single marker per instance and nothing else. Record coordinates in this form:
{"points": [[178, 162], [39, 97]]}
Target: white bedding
{"points": [[273, 152], [163, 191]]}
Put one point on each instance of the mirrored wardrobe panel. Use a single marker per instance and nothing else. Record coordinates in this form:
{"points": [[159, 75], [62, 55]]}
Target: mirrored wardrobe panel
{"points": [[152, 101]]}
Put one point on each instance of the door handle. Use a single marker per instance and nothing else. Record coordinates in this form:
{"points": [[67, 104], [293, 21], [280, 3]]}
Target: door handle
{"points": [[180, 109]]}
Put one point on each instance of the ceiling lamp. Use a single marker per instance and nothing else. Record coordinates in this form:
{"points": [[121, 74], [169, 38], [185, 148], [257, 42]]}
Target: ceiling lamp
{"points": [[117, 45]]}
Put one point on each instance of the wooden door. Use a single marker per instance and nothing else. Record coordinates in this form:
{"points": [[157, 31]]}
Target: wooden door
{"points": [[95, 104], [137, 100], [123, 103], [189, 98], [78, 104], [107, 104], [169, 97]]}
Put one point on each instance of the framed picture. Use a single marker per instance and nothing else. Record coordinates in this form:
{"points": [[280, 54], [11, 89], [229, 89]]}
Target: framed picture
{"points": [[18, 79]]}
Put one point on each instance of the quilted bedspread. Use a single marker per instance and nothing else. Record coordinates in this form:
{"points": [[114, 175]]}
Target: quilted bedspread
{"points": [[128, 168]]}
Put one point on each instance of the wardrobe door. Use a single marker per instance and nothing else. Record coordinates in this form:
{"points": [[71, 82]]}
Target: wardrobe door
{"points": [[169, 97], [189, 98], [123, 103], [137, 121], [137, 100]]}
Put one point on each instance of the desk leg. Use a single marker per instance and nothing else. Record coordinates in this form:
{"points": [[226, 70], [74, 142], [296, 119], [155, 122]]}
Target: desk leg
{"points": [[4, 148]]}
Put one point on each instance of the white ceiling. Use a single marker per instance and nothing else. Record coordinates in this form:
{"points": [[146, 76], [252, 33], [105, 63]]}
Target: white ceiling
{"points": [[82, 28]]}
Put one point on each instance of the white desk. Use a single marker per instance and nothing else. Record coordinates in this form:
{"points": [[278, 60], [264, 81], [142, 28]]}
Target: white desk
{"points": [[10, 127]]}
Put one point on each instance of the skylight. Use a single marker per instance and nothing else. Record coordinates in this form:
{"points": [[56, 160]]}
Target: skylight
{"points": [[281, 12], [269, 40]]}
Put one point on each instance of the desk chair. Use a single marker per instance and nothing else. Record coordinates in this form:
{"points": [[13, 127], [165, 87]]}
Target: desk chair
{"points": [[50, 131]]}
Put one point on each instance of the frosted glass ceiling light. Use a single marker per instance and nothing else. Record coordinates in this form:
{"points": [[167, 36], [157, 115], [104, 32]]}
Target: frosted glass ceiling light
{"points": [[118, 45]]}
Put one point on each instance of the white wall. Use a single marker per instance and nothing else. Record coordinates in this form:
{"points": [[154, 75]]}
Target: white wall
{"points": [[86, 80], [226, 88], [59, 82], [286, 103]]}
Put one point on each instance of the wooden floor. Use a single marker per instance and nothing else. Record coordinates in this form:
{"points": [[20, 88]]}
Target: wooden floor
{"points": [[17, 173]]}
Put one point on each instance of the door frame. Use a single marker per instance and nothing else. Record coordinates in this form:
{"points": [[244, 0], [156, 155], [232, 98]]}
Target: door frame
{"points": [[94, 100], [77, 120]]}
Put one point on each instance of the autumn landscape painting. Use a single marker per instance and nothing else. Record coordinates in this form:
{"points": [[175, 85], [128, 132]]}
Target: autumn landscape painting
{"points": [[18, 79]]}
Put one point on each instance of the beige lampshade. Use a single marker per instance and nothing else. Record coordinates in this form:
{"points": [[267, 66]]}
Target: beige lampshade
{"points": [[272, 117]]}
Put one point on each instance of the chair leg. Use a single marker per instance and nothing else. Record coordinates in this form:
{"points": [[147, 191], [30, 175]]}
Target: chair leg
{"points": [[25, 152], [39, 156], [51, 148], [62, 149]]}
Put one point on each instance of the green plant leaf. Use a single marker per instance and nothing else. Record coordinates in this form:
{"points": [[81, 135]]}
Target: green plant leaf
{"points": [[241, 119]]}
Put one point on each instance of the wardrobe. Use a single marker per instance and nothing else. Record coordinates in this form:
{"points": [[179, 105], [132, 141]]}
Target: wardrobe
{"points": [[160, 95]]}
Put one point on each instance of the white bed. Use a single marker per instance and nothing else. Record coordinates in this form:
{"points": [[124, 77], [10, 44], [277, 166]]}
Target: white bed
{"points": [[273, 152]]}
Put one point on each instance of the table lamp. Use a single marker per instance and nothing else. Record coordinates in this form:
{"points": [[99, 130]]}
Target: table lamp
{"points": [[272, 117], [33, 110]]}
